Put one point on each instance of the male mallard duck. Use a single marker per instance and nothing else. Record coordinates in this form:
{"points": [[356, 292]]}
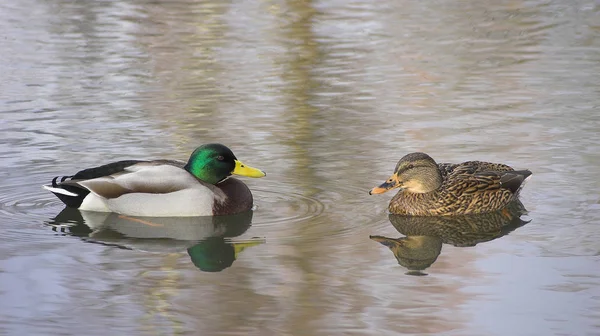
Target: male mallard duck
{"points": [[471, 187], [162, 188]]}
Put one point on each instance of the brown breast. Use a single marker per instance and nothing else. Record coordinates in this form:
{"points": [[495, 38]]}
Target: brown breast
{"points": [[239, 198]]}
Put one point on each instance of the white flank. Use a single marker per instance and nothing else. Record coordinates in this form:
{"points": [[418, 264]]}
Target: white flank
{"points": [[93, 202], [196, 201]]}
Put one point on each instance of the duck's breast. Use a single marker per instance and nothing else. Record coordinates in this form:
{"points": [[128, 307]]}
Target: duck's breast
{"points": [[233, 196]]}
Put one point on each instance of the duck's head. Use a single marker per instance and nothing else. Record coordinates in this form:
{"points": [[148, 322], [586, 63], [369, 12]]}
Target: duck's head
{"points": [[215, 254], [416, 253], [213, 163], [415, 172]]}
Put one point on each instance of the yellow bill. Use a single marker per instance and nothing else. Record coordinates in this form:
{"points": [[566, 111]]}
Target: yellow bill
{"points": [[245, 170], [240, 246]]}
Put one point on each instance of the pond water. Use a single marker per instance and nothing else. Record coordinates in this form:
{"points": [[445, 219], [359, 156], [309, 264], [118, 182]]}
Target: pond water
{"points": [[325, 96]]}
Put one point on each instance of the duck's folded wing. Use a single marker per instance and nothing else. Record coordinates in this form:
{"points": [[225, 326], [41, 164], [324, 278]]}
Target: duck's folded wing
{"points": [[141, 178], [446, 168], [471, 183], [488, 181], [105, 170], [473, 167]]}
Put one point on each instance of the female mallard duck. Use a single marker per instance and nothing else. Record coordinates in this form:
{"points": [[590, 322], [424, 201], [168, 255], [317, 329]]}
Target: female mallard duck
{"points": [[471, 187], [162, 188]]}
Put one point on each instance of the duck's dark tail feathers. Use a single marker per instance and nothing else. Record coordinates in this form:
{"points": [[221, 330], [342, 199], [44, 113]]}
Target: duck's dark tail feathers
{"points": [[513, 180], [69, 193]]}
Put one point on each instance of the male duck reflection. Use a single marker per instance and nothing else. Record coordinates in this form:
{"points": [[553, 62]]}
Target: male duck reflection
{"points": [[162, 188], [208, 240], [430, 189]]}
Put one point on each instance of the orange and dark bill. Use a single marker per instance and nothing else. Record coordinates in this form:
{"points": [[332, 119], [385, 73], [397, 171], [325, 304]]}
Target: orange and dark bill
{"points": [[389, 242], [391, 183]]}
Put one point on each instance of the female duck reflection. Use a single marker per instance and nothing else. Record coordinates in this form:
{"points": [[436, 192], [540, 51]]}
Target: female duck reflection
{"points": [[206, 239], [425, 235]]}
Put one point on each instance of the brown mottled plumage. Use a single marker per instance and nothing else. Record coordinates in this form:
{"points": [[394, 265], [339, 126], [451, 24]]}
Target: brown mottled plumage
{"points": [[471, 187], [466, 230], [425, 235]]}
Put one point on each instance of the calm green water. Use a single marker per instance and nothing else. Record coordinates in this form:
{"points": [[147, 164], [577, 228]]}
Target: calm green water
{"points": [[325, 96]]}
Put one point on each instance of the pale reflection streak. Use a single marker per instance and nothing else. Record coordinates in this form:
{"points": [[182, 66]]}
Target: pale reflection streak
{"points": [[183, 40], [159, 296]]}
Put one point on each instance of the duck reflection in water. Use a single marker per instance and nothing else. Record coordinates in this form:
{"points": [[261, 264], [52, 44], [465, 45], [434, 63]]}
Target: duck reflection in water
{"points": [[206, 239], [425, 235]]}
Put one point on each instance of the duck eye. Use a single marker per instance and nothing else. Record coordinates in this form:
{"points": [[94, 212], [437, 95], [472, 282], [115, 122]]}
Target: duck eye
{"points": [[220, 158], [410, 166]]}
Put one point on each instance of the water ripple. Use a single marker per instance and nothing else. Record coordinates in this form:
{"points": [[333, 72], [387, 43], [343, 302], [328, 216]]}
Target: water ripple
{"points": [[21, 200], [289, 207]]}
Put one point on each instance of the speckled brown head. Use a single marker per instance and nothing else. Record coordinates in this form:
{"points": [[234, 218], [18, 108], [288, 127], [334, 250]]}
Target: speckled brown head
{"points": [[416, 253], [415, 172]]}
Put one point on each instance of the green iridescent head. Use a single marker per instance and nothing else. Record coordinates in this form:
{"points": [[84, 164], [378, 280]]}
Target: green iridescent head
{"points": [[213, 163], [215, 254]]}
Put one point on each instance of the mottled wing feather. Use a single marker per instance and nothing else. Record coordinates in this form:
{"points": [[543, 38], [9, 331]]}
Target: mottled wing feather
{"points": [[476, 190], [481, 166], [446, 168], [474, 183]]}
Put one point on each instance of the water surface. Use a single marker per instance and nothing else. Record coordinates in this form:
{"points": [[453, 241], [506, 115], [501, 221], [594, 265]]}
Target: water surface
{"points": [[325, 96]]}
